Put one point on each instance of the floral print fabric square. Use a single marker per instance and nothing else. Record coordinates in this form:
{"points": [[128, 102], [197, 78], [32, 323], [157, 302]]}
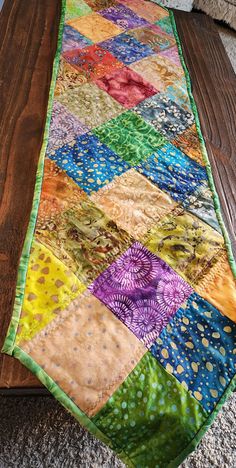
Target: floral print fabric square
{"points": [[165, 115], [123, 17], [185, 243], [131, 128], [126, 48], [198, 348], [84, 239], [89, 162], [127, 87], [95, 27], [133, 203], [68, 78], [188, 142], [147, 10], [142, 290], [90, 104], [93, 61], [174, 172], [157, 70]]}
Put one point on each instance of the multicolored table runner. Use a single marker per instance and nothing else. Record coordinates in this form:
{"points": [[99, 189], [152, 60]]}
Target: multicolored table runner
{"points": [[125, 305]]}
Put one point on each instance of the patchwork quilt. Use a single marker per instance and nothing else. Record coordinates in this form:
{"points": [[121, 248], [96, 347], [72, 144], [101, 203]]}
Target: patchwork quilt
{"points": [[125, 305]]}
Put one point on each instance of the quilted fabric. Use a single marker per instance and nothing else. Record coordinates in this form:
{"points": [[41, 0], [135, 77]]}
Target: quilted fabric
{"points": [[126, 302]]}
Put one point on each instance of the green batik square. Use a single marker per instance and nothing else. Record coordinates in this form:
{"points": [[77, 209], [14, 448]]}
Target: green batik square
{"points": [[151, 417], [75, 9], [130, 137]]}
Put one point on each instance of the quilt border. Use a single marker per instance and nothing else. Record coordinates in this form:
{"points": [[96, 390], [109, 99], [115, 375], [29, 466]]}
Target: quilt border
{"points": [[9, 346]]}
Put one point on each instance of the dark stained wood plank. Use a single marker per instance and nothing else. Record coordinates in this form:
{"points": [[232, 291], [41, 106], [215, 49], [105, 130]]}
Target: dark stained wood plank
{"points": [[214, 90], [28, 38]]}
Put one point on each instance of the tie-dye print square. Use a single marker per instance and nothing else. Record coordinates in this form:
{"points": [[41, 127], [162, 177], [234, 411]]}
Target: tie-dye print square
{"points": [[142, 291], [132, 128], [127, 87], [90, 163], [198, 348], [127, 49]]}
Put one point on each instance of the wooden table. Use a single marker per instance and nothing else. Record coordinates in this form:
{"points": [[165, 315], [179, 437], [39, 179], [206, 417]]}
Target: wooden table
{"points": [[28, 37]]}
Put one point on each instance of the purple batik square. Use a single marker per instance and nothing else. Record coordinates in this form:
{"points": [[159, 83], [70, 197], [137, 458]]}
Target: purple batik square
{"points": [[64, 127], [142, 291], [123, 17]]}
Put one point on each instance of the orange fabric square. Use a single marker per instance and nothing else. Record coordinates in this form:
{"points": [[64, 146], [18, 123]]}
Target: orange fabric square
{"points": [[88, 351], [133, 202], [95, 27], [146, 9]]}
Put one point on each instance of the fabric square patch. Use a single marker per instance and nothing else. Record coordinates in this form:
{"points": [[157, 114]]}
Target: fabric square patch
{"points": [[93, 61], [185, 243], [217, 286], [142, 290], [152, 36], [158, 70], [198, 348], [72, 39], [68, 78], [74, 9], [64, 127], [127, 87], [188, 142], [165, 25], [97, 5], [130, 128], [174, 172], [90, 163], [127, 49], [49, 288], [87, 351], [178, 93], [173, 55], [59, 193], [123, 17], [165, 115], [147, 10], [90, 104], [133, 203], [201, 205], [150, 416], [84, 239], [95, 27]]}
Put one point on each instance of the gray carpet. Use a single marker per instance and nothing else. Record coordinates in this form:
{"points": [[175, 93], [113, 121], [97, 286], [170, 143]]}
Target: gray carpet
{"points": [[36, 432]]}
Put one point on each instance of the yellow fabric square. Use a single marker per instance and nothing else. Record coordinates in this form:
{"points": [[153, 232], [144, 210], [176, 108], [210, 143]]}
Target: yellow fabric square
{"points": [[88, 351], [50, 287], [187, 244], [95, 27], [133, 202]]}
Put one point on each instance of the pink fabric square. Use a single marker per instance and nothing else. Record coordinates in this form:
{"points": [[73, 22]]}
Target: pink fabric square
{"points": [[127, 87]]}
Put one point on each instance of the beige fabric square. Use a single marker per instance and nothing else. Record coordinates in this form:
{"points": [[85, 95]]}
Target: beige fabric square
{"points": [[88, 351], [133, 202], [158, 71]]}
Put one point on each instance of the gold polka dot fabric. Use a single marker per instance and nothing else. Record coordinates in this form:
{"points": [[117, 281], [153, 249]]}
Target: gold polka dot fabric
{"points": [[126, 302]]}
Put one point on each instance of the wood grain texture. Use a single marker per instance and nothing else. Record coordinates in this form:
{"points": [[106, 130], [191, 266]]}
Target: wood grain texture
{"points": [[214, 90], [27, 47], [28, 38]]}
